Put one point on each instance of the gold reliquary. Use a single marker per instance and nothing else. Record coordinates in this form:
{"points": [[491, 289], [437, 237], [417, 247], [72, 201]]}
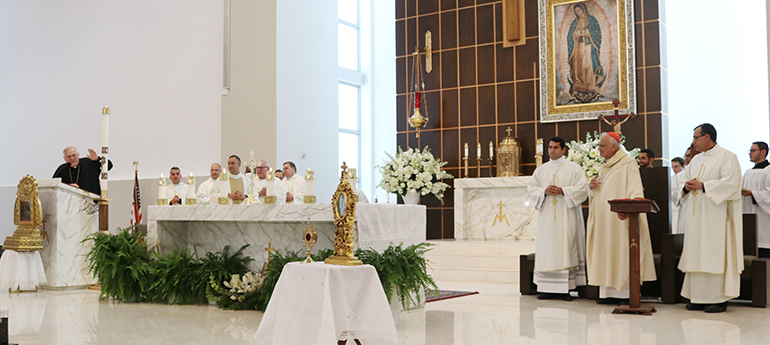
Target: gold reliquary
{"points": [[344, 209], [509, 156], [28, 216]]}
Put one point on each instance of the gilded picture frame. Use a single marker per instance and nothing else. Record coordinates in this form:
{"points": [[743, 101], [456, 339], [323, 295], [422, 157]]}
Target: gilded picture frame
{"points": [[587, 58]]}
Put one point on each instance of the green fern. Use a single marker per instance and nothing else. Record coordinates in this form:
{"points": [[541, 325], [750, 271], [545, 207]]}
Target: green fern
{"points": [[121, 262]]}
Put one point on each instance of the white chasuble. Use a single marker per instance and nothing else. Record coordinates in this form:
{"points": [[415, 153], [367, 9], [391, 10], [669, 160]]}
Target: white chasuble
{"points": [[607, 236], [179, 189], [560, 228], [713, 242], [757, 180]]}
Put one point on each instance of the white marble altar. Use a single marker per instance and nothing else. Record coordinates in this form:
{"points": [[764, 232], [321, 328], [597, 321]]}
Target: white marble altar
{"points": [[209, 228], [70, 214], [494, 208]]}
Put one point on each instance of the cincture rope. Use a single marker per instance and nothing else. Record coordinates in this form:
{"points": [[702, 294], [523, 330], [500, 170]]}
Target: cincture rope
{"points": [[695, 192]]}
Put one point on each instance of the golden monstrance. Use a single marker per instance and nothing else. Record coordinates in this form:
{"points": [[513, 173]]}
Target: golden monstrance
{"points": [[344, 208]]}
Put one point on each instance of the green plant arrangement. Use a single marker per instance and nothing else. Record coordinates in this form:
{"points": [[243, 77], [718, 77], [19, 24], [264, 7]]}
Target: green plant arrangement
{"points": [[402, 268], [121, 262], [240, 293]]}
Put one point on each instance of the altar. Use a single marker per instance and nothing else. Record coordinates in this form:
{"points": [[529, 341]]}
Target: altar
{"points": [[210, 228], [494, 208]]}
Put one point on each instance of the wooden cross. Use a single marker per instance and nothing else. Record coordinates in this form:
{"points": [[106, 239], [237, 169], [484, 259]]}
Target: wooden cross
{"points": [[269, 251], [616, 123]]}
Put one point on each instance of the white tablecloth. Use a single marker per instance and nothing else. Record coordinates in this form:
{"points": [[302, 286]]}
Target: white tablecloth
{"points": [[321, 304], [21, 270]]}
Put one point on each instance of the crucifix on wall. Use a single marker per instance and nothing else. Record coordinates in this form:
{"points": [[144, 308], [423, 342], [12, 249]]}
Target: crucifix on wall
{"points": [[513, 23], [616, 123]]}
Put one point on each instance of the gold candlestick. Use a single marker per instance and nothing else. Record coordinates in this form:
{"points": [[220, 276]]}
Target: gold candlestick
{"points": [[478, 166], [466, 166]]}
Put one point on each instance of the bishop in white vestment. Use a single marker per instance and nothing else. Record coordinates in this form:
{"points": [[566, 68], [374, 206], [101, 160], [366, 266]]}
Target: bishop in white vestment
{"points": [[712, 258], [208, 194], [607, 242], [756, 194], [557, 190]]}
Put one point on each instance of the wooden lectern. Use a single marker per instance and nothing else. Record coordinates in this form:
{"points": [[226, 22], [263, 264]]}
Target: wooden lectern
{"points": [[633, 207]]}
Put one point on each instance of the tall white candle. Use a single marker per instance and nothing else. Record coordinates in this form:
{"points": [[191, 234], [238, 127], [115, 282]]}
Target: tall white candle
{"points": [[270, 182], [538, 148], [105, 126], [466, 151], [161, 187], [309, 187], [191, 186], [478, 150], [491, 150]]}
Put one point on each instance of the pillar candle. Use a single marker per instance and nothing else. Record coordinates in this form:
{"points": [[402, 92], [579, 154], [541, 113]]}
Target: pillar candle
{"points": [[270, 182], [191, 186], [538, 148], [161, 187], [478, 150]]}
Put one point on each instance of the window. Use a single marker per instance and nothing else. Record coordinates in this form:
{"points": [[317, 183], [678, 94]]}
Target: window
{"points": [[350, 82]]}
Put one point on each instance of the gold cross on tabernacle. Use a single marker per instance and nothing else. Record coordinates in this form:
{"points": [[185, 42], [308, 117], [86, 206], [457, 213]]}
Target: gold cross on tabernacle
{"points": [[269, 251], [509, 131]]}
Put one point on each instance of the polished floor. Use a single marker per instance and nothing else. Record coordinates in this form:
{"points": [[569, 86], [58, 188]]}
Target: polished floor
{"points": [[497, 315]]}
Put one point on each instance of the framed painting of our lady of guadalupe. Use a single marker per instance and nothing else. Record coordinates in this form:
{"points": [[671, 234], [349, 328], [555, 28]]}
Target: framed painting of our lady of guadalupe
{"points": [[586, 59]]}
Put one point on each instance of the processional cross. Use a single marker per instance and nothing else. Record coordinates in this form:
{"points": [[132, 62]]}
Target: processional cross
{"points": [[615, 123]]}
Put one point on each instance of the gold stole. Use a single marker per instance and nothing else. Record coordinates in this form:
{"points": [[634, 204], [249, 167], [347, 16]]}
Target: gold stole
{"points": [[236, 184]]}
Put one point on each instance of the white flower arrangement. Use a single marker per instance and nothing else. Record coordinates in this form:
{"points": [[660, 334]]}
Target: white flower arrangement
{"points": [[415, 171], [240, 286], [586, 154]]}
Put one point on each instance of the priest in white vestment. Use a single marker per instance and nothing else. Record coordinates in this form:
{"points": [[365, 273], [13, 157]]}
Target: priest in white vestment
{"points": [[607, 242], [557, 190], [208, 193], [176, 192], [756, 194], [677, 165], [260, 184], [712, 258], [240, 185], [294, 183]]}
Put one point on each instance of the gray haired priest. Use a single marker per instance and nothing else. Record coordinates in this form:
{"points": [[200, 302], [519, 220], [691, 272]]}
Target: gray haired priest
{"points": [[712, 257], [557, 190], [607, 245], [260, 184]]}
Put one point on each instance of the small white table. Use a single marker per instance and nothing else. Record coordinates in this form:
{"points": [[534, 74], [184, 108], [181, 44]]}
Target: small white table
{"points": [[327, 304]]}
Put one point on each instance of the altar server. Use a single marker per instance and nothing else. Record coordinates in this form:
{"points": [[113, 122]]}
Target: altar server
{"points": [[712, 258], [260, 184], [295, 184], [677, 165], [240, 185], [176, 192], [756, 194], [557, 190], [607, 232], [208, 194]]}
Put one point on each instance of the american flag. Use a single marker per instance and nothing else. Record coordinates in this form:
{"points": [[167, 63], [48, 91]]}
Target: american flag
{"points": [[136, 205]]}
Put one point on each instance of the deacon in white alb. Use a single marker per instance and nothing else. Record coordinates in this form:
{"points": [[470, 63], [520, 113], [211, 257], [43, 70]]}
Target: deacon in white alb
{"points": [[712, 258], [176, 191], [208, 194], [558, 189], [756, 194], [295, 183], [260, 184], [240, 185]]}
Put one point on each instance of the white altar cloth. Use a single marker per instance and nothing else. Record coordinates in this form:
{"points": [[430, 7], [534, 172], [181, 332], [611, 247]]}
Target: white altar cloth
{"points": [[321, 304], [209, 228], [21, 270], [478, 212]]}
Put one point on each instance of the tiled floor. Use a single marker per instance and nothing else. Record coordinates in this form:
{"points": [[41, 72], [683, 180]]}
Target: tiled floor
{"points": [[497, 315]]}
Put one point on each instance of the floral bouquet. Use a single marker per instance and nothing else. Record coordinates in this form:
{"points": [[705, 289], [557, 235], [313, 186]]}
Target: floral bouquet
{"points": [[586, 154], [241, 293], [414, 171]]}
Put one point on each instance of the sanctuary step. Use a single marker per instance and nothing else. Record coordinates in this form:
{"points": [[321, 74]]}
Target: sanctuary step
{"points": [[491, 261]]}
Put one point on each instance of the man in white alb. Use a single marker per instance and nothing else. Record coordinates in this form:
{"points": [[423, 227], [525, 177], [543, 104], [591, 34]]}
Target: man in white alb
{"points": [[260, 184], [712, 257], [756, 194], [677, 165], [207, 192], [295, 183], [557, 190], [607, 251], [176, 191], [240, 185]]}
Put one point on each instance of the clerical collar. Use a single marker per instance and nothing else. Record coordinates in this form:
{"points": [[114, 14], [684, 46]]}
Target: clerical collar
{"points": [[761, 165]]}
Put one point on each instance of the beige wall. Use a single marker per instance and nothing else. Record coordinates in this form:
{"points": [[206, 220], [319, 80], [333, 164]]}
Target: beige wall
{"points": [[249, 111]]}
